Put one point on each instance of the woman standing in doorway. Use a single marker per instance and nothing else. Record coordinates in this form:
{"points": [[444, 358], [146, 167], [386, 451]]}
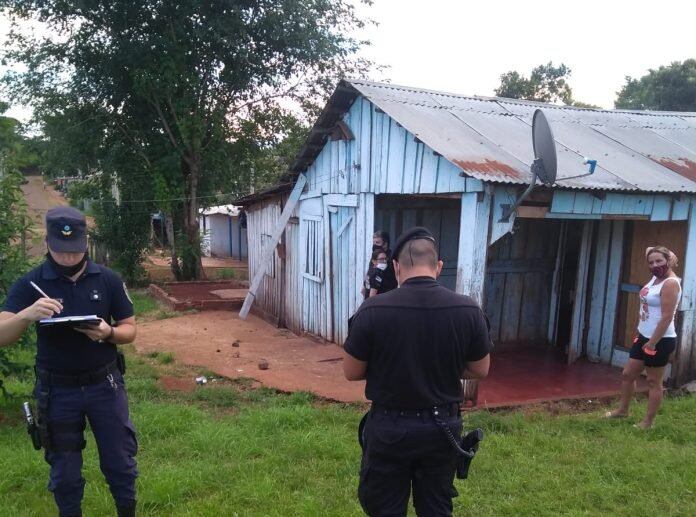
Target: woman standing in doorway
{"points": [[656, 338]]}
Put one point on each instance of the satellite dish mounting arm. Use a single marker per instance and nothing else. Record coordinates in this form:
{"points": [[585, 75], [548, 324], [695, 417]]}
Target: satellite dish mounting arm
{"points": [[508, 209]]}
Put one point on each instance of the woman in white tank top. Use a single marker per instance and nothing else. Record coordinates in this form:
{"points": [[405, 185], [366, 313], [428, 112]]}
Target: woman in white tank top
{"points": [[656, 338]]}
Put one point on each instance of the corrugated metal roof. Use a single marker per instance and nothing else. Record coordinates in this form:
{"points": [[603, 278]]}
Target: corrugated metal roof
{"points": [[490, 138], [230, 210]]}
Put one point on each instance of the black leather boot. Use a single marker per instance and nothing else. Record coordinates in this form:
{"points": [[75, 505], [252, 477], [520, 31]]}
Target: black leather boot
{"points": [[126, 511]]}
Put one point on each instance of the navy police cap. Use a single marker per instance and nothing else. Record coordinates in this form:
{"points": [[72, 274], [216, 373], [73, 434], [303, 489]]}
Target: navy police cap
{"points": [[66, 230], [412, 234]]}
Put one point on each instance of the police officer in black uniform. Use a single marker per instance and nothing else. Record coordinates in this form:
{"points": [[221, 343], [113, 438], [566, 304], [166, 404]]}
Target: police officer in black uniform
{"points": [[414, 345], [380, 241], [79, 370]]}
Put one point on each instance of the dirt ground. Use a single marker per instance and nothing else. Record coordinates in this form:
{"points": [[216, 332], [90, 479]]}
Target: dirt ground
{"points": [[39, 201], [220, 342], [158, 268], [189, 292]]}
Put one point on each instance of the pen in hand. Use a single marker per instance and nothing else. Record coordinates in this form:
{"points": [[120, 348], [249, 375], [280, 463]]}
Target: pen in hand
{"points": [[44, 295]]}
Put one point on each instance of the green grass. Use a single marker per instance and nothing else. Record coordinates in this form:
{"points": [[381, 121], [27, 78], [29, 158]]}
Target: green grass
{"points": [[226, 273], [228, 449], [148, 308]]}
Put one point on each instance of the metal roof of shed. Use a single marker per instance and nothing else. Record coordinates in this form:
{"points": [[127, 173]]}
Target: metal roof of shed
{"points": [[489, 138]]}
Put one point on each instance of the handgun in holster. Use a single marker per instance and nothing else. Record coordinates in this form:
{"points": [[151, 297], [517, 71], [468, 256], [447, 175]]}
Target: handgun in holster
{"points": [[465, 447], [469, 443], [32, 427]]}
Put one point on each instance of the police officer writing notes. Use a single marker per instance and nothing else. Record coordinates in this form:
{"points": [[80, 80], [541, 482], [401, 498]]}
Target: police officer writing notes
{"points": [[413, 345], [79, 370]]}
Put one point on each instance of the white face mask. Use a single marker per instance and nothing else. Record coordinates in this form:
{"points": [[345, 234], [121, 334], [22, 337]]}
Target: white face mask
{"points": [[381, 266]]}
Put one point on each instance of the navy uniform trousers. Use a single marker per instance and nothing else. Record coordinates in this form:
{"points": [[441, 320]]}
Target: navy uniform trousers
{"points": [[400, 452], [105, 406]]}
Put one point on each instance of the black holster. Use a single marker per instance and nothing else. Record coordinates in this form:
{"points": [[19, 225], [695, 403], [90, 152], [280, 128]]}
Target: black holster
{"points": [[469, 443], [41, 418], [465, 448], [32, 429], [121, 362]]}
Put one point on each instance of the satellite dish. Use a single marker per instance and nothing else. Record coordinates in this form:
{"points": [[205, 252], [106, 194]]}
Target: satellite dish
{"points": [[545, 164]]}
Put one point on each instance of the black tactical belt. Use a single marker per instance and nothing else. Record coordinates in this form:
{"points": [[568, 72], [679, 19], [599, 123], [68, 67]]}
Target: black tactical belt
{"points": [[83, 379], [445, 409]]}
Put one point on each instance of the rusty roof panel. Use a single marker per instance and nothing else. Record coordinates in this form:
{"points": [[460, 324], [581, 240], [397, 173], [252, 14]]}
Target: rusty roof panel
{"points": [[490, 138]]}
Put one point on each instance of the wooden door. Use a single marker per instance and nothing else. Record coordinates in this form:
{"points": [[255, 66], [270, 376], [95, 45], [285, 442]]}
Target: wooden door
{"points": [[641, 235], [342, 268]]}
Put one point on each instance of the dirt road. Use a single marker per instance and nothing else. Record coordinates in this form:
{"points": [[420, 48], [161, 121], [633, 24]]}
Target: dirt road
{"points": [[39, 201]]}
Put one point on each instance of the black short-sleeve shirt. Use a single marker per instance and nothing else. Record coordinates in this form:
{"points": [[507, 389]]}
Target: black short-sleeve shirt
{"points": [[417, 341], [98, 291]]}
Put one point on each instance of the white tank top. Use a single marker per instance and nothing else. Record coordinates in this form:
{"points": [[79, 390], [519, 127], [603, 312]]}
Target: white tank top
{"points": [[651, 309]]}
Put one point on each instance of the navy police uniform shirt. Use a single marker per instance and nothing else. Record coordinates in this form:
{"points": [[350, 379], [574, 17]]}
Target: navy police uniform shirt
{"points": [[417, 341], [98, 291], [374, 280]]}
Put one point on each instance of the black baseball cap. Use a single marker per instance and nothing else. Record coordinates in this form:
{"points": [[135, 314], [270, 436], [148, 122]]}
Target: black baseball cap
{"points": [[412, 234], [66, 230]]}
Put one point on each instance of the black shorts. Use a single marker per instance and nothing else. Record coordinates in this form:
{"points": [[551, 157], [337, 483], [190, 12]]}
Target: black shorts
{"points": [[664, 347]]}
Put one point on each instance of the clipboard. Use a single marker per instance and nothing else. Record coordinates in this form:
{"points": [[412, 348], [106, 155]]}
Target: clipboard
{"points": [[71, 321]]}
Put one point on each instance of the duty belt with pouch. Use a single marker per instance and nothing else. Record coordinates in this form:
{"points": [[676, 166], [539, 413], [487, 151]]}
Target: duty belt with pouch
{"points": [[465, 447], [37, 423]]}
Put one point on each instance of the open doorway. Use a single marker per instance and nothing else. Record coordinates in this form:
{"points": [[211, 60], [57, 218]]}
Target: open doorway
{"points": [[440, 215], [531, 278], [566, 280]]}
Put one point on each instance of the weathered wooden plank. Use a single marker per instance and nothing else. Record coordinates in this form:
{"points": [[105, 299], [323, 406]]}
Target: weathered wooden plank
{"points": [[613, 283], [522, 265], [662, 207], [410, 162], [554, 299], [583, 217], [455, 182], [495, 292], [563, 202], [473, 239], [501, 196], [613, 204], [428, 177], [575, 346], [619, 358], [583, 203], [395, 167], [680, 210], [365, 138], [328, 305], [387, 128], [532, 212], [599, 287], [474, 185]]}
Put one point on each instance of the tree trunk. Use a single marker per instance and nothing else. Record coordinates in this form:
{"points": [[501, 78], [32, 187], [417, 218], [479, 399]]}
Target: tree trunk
{"points": [[169, 228], [192, 263]]}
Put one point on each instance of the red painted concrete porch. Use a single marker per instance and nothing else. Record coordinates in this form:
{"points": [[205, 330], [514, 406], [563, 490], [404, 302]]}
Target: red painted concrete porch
{"points": [[529, 375]]}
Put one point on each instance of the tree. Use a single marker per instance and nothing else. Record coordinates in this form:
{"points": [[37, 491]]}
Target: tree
{"points": [[181, 83], [546, 83], [669, 88], [13, 261]]}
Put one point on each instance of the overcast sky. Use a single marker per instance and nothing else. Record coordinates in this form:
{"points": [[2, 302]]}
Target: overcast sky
{"points": [[463, 46]]}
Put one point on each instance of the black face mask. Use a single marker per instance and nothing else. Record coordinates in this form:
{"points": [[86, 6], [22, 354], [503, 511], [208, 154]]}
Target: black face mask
{"points": [[68, 271]]}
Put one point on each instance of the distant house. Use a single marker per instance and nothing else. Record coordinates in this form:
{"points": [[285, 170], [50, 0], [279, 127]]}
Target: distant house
{"points": [[223, 232], [564, 272]]}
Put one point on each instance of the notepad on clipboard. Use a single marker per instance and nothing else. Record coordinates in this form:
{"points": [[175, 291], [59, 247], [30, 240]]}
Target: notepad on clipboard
{"points": [[71, 321]]}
